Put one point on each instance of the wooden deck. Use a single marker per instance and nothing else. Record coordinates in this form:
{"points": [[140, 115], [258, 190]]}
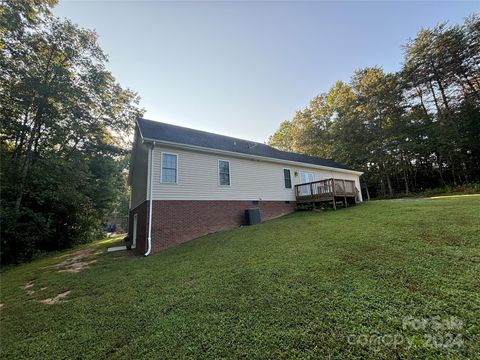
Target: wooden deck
{"points": [[328, 190]]}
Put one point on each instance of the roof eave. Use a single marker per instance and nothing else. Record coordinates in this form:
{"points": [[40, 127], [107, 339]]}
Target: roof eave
{"points": [[248, 156], [139, 128]]}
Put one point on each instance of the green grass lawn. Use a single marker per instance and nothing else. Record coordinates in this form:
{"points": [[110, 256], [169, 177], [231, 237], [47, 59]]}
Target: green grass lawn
{"points": [[338, 284]]}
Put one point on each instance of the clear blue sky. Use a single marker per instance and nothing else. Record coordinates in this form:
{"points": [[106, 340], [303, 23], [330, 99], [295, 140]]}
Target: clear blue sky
{"points": [[240, 68]]}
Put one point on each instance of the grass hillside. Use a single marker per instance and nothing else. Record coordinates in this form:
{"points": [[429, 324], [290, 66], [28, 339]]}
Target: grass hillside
{"points": [[385, 279]]}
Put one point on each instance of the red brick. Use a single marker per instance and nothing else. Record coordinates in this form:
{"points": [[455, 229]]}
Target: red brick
{"points": [[177, 221]]}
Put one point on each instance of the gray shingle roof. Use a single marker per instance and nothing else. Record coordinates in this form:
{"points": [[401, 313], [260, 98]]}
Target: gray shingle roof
{"points": [[166, 132]]}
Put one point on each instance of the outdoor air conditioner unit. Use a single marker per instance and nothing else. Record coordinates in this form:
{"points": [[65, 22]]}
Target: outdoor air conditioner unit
{"points": [[252, 216]]}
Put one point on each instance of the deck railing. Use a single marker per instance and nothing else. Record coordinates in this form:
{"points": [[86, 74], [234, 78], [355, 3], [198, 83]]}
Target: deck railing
{"points": [[325, 189]]}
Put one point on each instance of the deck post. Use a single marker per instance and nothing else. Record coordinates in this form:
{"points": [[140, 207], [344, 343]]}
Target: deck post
{"points": [[333, 192], [344, 193]]}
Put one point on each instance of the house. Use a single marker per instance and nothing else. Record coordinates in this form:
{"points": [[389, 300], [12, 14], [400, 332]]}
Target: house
{"points": [[187, 183]]}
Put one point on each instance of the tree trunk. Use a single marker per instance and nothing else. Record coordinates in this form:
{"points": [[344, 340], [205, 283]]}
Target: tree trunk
{"points": [[28, 157], [23, 178], [20, 140], [389, 183], [420, 95], [465, 173], [440, 172], [442, 90], [406, 182], [382, 187], [415, 178], [477, 93], [453, 173], [435, 100], [367, 193]]}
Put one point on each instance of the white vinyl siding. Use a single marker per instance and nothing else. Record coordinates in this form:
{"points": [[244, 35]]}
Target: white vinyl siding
{"points": [[250, 179]]}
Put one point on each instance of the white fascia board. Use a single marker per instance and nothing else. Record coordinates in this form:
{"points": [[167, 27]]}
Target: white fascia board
{"points": [[138, 127], [247, 156]]}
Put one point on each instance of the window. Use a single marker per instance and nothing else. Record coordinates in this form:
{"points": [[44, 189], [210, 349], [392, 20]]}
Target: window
{"points": [[306, 177], [288, 179], [224, 172], [169, 168]]}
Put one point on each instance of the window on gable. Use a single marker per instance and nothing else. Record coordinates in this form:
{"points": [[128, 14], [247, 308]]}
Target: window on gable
{"points": [[169, 168], [224, 172], [288, 179]]}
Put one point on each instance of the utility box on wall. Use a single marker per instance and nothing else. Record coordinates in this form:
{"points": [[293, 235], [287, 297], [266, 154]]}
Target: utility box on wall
{"points": [[252, 216]]}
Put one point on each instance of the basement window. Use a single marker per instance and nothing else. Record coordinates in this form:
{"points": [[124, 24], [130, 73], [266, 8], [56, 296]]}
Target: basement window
{"points": [[287, 178], [169, 168]]}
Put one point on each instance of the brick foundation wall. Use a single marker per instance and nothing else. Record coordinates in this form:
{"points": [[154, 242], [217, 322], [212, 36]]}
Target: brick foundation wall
{"points": [[177, 221]]}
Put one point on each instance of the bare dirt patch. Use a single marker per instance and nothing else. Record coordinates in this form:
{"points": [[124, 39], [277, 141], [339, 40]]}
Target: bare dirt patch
{"points": [[2, 305], [56, 299], [77, 266], [76, 262], [28, 287]]}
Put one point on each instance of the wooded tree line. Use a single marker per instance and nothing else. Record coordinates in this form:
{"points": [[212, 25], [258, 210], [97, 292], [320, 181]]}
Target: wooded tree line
{"points": [[65, 123], [408, 131]]}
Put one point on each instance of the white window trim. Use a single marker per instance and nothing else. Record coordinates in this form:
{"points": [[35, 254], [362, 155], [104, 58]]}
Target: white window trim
{"points": [[161, 168], [291, 180], [229, 173]]}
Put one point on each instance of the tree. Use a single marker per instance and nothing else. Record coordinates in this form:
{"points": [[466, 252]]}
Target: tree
{"points": [[65, 124], [283, 139], [407, 131]]}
